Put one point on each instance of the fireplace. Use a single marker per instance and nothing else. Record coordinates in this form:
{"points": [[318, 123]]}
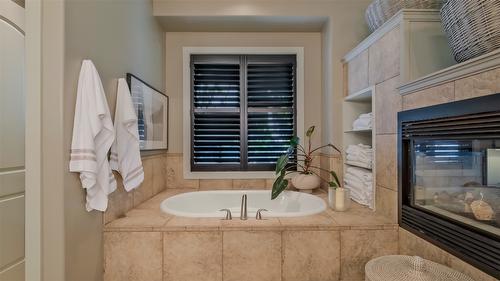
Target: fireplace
{"points": [[449, 178]]}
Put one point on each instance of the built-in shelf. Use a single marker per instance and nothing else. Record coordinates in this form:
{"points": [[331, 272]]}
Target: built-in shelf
{"points": [[354, 105], [364, 95], [368, 167]]}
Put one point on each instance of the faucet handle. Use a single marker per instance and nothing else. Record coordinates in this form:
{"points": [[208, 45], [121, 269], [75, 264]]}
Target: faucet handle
{"points": [[258, 215], [228, 214]]}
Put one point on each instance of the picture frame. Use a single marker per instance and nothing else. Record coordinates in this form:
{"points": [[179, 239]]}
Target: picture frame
{"points": [[151, 107]]}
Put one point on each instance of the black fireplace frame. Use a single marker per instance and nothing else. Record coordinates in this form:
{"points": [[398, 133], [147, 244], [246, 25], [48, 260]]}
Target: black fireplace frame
{"points": [[468, 243]]}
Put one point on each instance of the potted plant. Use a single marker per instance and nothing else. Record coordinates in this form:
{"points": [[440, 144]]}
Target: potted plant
{"points": [[304, 173]]}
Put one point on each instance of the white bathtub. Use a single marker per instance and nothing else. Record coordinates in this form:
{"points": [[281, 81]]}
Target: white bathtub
{"points": [[207, 204]]}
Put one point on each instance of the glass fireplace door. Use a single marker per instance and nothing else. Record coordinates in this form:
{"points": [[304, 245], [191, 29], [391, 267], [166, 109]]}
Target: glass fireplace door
{"points": [[458, 179]]}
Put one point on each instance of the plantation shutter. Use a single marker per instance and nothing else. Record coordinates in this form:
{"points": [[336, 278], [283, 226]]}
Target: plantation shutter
{"points": [[242, 111], [271, 108]]}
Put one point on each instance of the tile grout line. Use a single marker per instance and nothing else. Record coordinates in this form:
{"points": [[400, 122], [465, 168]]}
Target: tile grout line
{"points": [[163, 255], [340, 254], [222, 254], [282, 254]]}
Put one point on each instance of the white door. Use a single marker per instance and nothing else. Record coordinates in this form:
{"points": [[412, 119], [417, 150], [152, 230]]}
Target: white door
{"points": [[12, 125]]}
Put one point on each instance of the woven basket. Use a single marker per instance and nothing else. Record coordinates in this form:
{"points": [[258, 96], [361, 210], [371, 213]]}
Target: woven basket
{"points": [[407, 268], [380, 11], [472, 27]]}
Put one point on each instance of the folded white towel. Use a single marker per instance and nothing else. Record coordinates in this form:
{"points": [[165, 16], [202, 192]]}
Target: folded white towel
{"points": [[364, 121], [359, 149], [360, 155], [125, 152], [363, 174], [361, 186], [361, 198], [366, 116], [360, 163], [358, 180], [93, 135], [360, 183]]}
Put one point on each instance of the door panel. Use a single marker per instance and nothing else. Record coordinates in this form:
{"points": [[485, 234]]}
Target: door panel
{"points": [[12, 234], [15, 273], [11, 97], [11, 183], [12, 144]]}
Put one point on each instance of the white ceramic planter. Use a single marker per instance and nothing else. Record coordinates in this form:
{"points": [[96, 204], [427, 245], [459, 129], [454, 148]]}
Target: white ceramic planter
{"points": [[306, 183]]}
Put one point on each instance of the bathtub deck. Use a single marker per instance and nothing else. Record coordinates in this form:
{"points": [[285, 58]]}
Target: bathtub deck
{"points": [[147, 244], [149, 217]]}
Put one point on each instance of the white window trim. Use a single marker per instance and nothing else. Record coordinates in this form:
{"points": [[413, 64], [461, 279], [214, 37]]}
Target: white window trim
{"points": [[187, 52]]}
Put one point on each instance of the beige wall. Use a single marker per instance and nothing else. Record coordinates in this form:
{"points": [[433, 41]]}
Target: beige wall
{"points": [[311, 42], [344, 28], [120, 37]]}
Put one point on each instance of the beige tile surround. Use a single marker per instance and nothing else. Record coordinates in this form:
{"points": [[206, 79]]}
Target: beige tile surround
{"points": [[384, 57], [120, 201], [384, 74], [357, 73], [131, 214], [318, 247], [477, 85], [165, 171]]}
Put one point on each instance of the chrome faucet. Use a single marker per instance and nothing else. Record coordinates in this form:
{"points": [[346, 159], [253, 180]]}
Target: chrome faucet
{"points": [[228, 214], [258, 215], [243, 211]]}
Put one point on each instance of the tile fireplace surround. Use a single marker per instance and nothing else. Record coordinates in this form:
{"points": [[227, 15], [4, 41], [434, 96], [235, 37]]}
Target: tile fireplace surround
{"points": [[475, 78]]}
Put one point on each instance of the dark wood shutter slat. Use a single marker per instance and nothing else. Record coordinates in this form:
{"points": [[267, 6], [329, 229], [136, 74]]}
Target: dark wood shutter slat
{"points": [[271, 88], [216, 85], [216, 138]]}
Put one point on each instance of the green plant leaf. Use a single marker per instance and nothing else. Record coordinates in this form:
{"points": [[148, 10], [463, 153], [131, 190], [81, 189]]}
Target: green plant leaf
{"points": [[281, 163], [335, 148], [310, 131], [332, 184], [294, 141], [334, 175], [279, 185]]}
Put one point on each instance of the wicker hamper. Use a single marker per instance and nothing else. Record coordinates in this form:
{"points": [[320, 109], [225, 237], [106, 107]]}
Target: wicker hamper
{"points": [[380, 11], [407, 268], [472, 27]]}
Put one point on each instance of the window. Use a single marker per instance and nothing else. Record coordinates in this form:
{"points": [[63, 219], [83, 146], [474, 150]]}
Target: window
{"points": [[243, 111]]}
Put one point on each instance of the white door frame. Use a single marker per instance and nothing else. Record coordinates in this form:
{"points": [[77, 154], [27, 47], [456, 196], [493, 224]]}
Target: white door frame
{"points": [[33, 232]]}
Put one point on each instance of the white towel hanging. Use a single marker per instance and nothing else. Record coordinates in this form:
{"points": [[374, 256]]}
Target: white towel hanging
{"points": [[125, 152], [93, 134]]}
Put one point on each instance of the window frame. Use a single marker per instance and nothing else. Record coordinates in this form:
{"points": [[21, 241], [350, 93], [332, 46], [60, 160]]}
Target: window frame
{"points": [[187, 103]]}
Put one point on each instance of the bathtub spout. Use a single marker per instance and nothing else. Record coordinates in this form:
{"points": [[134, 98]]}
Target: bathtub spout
{"points": [[243, 211]]}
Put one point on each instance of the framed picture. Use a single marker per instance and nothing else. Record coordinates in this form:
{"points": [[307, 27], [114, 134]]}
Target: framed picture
{"points": [[151, 107]]}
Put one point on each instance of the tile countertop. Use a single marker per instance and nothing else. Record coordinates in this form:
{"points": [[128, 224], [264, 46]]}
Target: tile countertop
{"points": [[149, 217]]}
